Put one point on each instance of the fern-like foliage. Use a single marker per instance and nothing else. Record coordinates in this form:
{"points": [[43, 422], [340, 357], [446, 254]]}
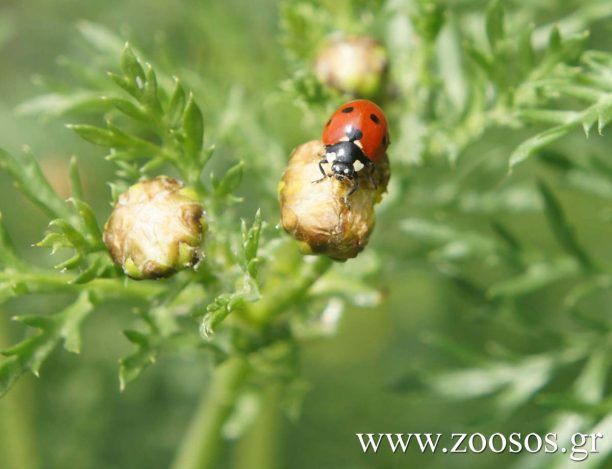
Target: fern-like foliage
{"points": [[149, 123], [494, 188], [476, 76]]}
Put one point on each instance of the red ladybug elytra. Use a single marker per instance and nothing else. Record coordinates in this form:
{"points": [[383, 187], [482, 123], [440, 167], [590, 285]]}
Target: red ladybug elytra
{"points": [[355, 137]]}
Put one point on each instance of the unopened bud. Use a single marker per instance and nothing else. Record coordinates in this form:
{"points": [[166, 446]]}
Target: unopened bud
{"points": [[155, 229], [319, 214], [354, 65]]}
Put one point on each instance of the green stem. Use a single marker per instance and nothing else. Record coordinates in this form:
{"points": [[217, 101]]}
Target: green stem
{"points": [[274, 303], [43, 282], [17, 440], [203, 441], [202, 444], [259, 447]]}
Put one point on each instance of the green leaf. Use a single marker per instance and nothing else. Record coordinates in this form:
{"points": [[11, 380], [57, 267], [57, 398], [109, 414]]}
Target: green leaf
{"points": [[504, 234], [554, 40], [128, 108], [150, 96], [101, 38], [100, 265], [537, 276], [495, 23], [63, 234], [54, 241], [124, 84], [162, 332], [560, 50], [230, 180], [88, 219], [61, 104], [132, 143], [550, 116], [216, 312], [30, 180], [70, 233], [8, 290], [8, 255], [193, 129], [113, 137], [10, 371], [133, 71], [224, 304], [575, 405], [71, 263], [250, 245], [95, 135], [513, 383], [561, 227], [480, 58], [32, 352], [531, 146], [526, 51], [75, 179], [591, 384], [177, 104], [455, 244], [132, 366], [250, 237]]}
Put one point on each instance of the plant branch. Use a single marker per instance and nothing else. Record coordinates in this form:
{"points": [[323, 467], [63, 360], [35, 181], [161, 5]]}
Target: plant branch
{"points": [[276, 302], [259, 447], [108, 288], [17, 435], [202, 443]]}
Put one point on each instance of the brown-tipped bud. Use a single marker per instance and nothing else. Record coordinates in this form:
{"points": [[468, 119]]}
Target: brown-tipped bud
{"points": [[317, 213], [155, 229], [355, 65]]}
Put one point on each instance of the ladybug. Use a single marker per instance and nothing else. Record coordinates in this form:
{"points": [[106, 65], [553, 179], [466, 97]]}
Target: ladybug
{"points": [[355, 137]]}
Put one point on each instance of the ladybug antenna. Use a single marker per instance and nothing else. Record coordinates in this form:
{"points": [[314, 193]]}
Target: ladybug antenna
{"points": [[353, 133]]}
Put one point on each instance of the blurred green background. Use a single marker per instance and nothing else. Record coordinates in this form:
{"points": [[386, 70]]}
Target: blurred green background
{"points": [[360, 380]]}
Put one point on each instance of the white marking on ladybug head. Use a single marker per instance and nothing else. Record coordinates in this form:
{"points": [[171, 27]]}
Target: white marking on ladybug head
{"points": [[358, 165], [330, 157], [341, 152], [346, 170]]}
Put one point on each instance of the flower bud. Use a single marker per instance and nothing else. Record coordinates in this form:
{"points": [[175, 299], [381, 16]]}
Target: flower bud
{"points": [[155, 229], [354, 65], [317, 213]]}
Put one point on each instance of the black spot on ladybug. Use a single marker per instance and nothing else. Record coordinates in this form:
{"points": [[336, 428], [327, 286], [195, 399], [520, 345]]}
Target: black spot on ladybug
{"points": [[385, 140], [346, 110], [353, 133], [375, 118], [328, 122]]}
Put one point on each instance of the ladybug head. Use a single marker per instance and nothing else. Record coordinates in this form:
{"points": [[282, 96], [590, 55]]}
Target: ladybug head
{"points": [[343, 170]]}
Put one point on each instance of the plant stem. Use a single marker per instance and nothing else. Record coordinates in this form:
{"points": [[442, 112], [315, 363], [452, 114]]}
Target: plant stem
{"points": [[43, 282], [202, 443], [276, 302], [259, 447], [17, 440]]}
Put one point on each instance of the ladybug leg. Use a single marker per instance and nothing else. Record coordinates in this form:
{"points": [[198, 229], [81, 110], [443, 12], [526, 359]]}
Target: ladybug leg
{"points": [[325, 175], [371, 169], [351, 191]]}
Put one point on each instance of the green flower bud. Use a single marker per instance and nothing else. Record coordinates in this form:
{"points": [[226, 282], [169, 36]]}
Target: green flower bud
{"points": [[354, 65], [155, 229], [317, 215]]}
